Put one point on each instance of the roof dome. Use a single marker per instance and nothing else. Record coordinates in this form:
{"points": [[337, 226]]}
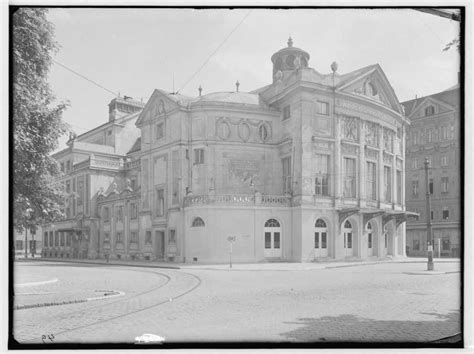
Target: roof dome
{"points": [[289, 58]]}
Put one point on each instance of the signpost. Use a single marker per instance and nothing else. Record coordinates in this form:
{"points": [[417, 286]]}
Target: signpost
{"points": [[231, 240]]}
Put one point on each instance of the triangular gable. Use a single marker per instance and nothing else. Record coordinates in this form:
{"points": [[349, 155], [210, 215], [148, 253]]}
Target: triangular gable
{"points": [[439, 107], [158, 105], [372, 84]]}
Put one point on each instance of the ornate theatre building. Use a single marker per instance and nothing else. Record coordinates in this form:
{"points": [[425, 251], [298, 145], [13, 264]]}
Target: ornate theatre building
{"points": [[310, 167]]}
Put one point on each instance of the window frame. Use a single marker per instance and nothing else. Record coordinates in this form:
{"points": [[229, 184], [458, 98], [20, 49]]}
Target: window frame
{"points": [[286, 112], [323, 107], [159, 127], [198, 156]]}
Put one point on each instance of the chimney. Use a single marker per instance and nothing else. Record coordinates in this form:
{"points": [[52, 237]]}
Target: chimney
{"points": [[237, 84]]}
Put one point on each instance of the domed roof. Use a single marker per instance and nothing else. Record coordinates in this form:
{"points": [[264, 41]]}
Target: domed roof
{"points": [[290, 50], [230, 97]]}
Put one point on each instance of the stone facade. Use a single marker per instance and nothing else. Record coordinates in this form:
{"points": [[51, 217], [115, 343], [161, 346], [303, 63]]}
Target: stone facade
{"points": [[435, 134], [310, 167]]}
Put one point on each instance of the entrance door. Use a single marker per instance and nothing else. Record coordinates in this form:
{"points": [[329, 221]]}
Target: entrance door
{"points": [[370, 241], [348, 239], [272, 234], [160, 244], [320, 239]]}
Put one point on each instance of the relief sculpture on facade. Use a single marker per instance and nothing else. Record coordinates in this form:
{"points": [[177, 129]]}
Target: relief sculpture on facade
{"points": [[350, 130], [242, 172], [388, 139], [371, 134]]}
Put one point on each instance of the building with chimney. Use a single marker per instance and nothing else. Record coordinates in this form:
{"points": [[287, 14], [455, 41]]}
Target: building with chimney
{"points": [[434, 134], [308, 168]]}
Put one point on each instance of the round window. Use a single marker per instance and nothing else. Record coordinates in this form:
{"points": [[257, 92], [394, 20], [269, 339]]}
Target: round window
{"points": [[244, 131]]}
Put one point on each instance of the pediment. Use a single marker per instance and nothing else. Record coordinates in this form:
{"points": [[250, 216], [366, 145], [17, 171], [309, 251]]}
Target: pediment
{"points": [[438, 106], [372, 84], [157, 106]]}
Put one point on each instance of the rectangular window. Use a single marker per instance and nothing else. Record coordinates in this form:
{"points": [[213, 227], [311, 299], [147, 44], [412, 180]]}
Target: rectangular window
{"points": [[316, 240], [119, 211], [444, 133], [349, 240], [429, 111], [159, 131], [445, 214], [432, 214], [444, 184], [172, 236], [446, 244], [371, 181], [416, 245], [414, 188], [106, 237], [429, 135], [45, 239], [414, 164], [148, 237], [323, 108], [133, 236], [133, 210], [324, 240], [431, 186], [399, 187], [68, 239], [56, 238], [62, 238], [444, 160], [106, 214], [387, 176], [198, 156], [268, 240], [119, 237], [68, 166], [349, 178], [51, 244], [276, 240], [80, 192], [133, 183], [62, 166], [322, 175], [160, 202], [286, 112], [385, 240], [415, 138], [286, 174]]}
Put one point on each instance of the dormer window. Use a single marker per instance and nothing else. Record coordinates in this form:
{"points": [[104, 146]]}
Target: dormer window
{"points": [[429, 111]]}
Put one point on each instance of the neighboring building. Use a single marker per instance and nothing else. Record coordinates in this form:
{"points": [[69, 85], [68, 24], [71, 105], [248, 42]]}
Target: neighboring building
{"points": [[33, 240], [310, 167], [434, 133]]}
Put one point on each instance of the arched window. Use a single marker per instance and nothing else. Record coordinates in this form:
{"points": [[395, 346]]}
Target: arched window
{"points": [[272, 223], [348, 224], [369, 226], [198, 222], [429, 111], [320, 223]]}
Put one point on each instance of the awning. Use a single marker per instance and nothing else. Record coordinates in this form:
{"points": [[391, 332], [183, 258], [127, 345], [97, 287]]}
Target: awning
{"points": [[370, 213]]}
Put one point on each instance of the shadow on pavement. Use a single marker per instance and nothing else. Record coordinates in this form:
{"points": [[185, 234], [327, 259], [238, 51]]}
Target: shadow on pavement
{"points": [[354, 329]]}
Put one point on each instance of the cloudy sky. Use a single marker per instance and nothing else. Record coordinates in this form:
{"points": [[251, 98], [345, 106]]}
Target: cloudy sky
{"points": [[133, 51]]}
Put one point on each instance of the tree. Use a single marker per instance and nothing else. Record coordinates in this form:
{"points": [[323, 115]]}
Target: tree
{"points": [[37, 123]]}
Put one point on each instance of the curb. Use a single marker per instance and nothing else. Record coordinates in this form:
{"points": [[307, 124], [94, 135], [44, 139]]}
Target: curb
{"points": [[111, 263], [54, 280]]}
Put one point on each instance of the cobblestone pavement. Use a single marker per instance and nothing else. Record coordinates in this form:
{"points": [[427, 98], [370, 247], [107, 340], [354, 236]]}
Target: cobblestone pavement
{"points": [[374, 303]]}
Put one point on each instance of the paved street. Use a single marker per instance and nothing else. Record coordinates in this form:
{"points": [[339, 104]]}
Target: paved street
{"points": [[375, 302]]}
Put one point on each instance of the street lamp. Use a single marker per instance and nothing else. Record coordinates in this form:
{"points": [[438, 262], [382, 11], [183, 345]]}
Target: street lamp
{"points": [[231, 240], [429, 236]]}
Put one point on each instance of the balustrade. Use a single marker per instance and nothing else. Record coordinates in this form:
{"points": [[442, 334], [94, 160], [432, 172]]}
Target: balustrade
{"points": [[239, 199]]}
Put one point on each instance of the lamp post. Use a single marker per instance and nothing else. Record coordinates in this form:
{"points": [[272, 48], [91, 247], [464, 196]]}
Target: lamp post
{"points": [[429, 236], [231, 240]]}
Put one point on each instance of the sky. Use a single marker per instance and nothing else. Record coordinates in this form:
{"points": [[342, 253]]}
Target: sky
{"points": [[133, 51]]}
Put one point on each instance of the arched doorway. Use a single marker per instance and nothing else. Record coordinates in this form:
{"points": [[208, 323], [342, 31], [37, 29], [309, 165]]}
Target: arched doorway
{"points": [[272, 232], [347, 230], [320, 238], [370, 240]]}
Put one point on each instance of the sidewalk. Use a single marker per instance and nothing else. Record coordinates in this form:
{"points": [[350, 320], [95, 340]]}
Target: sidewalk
{"points": [[270, 266]]}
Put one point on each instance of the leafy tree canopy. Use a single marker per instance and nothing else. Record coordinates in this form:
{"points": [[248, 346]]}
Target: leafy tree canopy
{"points": [[37, 123]]}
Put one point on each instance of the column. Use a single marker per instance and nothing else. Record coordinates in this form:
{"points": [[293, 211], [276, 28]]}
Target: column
{"points": [[380, 167], [403, 172], [337, 161], [361, 176]]}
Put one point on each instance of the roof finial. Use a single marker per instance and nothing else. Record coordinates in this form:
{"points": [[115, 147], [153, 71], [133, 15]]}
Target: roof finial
{"points": [[200, 90], [334, 66], [237, 84], [290, 42]]}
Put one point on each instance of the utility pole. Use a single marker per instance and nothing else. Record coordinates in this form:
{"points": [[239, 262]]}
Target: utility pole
{"points": [[26, 242], [429, 236]]}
